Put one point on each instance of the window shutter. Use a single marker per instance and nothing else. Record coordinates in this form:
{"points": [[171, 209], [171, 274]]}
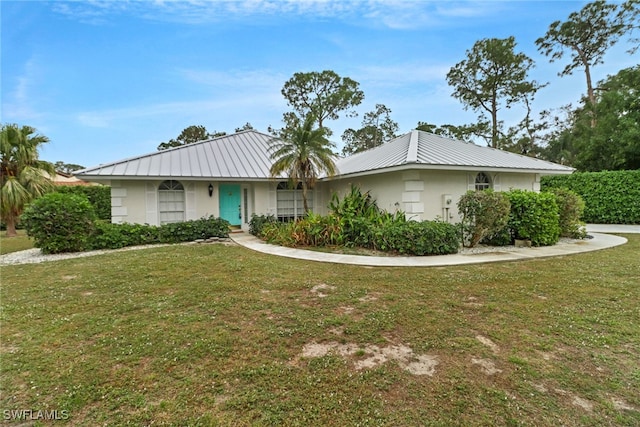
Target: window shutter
{"points": [[471, 182], [151, 199], [190, 201], [273, 198], [496, 183]]}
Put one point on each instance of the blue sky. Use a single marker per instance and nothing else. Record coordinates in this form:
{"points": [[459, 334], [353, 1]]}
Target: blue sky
{"points": [[106, 80]]}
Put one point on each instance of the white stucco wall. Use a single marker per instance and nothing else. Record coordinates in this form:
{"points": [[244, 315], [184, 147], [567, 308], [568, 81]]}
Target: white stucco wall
{"points": [[417, 193], [422, 195], [137, 201], [128, 202]]}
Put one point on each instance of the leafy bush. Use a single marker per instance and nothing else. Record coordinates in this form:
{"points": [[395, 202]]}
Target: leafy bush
{"points": [[278, 233], [98, 195], [115, 236], [60, 222], [484, 214], [357, 221], [359, 216], [502, 237], [258, 222], [611, 197], [570, 209], [534, 216], [192, 230], [312, 230], [418, 238], [357, 212]]}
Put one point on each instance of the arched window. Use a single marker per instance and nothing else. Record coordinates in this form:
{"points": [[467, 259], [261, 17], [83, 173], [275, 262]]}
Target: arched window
{"points": [[171, 202], [482, 181], [289, 201]]}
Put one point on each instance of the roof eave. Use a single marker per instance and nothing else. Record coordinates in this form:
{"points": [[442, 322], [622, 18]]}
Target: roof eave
{"points": [[104, 178], [467, 168]]}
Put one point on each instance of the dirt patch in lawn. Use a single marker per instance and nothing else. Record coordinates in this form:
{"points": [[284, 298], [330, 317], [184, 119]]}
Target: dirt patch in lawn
{"points": [[371, 356], [319, 290], [486, 341], [487, 366]]}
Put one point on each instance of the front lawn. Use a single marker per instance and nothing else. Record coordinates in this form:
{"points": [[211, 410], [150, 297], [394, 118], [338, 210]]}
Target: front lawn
{"points": [[14, 244], [220, 335]]}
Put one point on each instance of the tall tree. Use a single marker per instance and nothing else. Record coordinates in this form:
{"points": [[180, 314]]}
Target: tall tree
{"points": [[527, 136], [322, 95], [492, 77], [614, 143], [587, 35], [303, 157], [189, 135], [377, 128], [555, 142], [23, 177]]}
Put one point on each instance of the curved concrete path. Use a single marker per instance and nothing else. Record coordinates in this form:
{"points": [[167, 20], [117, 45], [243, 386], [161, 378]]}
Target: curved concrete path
{"points": [[599, 241]]}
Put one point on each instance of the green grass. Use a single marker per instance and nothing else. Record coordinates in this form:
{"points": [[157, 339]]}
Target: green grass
{"points": [[213, 335], [14, 244]]}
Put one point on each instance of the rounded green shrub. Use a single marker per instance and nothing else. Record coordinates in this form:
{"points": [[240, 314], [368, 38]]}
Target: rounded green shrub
{"points": [[484, 214], [98, 195], [534, 216], [60, 222], [570, 209]]}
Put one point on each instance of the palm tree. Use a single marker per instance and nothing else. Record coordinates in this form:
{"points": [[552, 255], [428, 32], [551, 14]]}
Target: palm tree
{"points": [[22, 176], [303, 156]]}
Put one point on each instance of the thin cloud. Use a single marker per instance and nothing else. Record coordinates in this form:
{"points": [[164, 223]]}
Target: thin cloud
{"points": [[17, 106], [399, 15], [216, 107], [236, 80], [403, 74]]}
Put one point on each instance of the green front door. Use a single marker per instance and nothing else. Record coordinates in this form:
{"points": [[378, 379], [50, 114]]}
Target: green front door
{"points": [[230, 208]]}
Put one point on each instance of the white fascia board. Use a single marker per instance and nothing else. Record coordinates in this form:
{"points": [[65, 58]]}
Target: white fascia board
{"points": [[419, 166]]}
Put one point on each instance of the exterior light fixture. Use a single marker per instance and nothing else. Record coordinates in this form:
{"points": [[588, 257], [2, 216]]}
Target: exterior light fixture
{"points": [[210, 190]]}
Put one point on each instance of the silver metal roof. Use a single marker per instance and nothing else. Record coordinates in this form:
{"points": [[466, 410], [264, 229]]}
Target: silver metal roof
{"points": [[243, 155], [423, 150]]}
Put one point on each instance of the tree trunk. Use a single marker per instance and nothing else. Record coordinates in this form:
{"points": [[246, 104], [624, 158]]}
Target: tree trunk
{"points": [[11, 226], [304, 197], [590, 94], [494, 124]]}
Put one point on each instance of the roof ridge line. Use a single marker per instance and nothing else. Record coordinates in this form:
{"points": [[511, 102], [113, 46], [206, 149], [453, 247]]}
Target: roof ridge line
{"points": [[412, 152]]}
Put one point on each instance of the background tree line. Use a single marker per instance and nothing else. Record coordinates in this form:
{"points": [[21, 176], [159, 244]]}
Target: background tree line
{"points": [[601, 132]]}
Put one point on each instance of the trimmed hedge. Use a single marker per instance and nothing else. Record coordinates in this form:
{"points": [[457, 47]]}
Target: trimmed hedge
{"points": [[98, 195], [418, 238], [611, 197], [114, 236]]}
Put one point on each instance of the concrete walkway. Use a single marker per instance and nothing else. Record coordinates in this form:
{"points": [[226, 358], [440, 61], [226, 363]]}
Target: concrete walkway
{"points": [[599, 241]]}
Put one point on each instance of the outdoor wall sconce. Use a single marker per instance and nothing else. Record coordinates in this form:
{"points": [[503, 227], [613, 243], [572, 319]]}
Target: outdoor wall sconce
{"points": [[210, 190]]}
